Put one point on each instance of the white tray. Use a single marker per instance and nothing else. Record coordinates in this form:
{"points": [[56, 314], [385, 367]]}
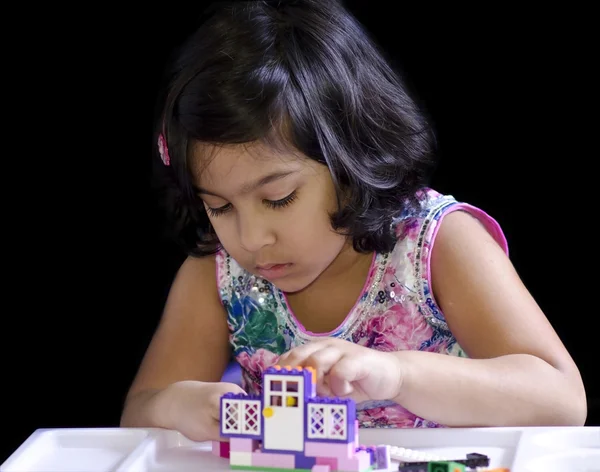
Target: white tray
{"points": [[152, 450], [77, 450]]}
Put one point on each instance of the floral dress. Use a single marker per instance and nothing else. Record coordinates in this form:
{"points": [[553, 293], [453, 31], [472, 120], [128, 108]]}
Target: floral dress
{"points": [[395, 311]]}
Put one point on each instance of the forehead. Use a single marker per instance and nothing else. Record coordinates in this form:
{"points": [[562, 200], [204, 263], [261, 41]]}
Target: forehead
{"points": [[232, 165]]}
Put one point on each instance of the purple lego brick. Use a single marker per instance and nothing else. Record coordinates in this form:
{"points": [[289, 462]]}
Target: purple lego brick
{"points": [[383, 460], [380, 457], [275, 370], [310, 387], [349, 421], [310, 390], [333, 401], [279, 370], [303, 462], [257, 412], [239, 396]]}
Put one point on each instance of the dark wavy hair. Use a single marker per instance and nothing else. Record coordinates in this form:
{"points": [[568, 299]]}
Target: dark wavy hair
{"points": [[304, 73]]}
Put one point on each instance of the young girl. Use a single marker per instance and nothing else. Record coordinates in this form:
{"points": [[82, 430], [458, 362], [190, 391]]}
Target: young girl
{"points": [[298, 165]]}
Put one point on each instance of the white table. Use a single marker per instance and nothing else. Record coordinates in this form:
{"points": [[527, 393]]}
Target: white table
{"points": [[153, 450]]}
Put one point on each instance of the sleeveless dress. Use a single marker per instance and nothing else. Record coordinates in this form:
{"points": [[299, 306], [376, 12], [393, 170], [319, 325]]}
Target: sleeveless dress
{"points": [[395, 311]]}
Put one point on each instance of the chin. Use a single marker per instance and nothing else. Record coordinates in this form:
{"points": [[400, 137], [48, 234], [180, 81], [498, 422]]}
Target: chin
{"points": [[292, 284]]}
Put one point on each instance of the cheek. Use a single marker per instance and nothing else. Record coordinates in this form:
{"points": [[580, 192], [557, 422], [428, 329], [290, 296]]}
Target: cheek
{"points": [[309, 219], [309, 230], [225, 230]]}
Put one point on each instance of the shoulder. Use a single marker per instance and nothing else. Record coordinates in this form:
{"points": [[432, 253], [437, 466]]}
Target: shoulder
{"points": [[420, 225], [195, 282], [195, 268], [418, 231], [466, 243], [423, 221]]}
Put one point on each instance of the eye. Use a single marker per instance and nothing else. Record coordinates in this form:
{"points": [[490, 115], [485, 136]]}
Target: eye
{"points": [[283, 202], [214, 212]]}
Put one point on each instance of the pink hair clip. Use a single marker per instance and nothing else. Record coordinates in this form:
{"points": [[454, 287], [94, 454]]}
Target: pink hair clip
{"points": [[163, 150]]}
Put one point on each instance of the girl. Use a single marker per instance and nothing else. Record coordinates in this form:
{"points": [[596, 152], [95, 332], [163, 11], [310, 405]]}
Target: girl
{"points": [[298, 165]]}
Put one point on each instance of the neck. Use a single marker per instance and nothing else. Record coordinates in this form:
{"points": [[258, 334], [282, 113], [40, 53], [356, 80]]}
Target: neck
{"points": [[348, 264], [325, 303]]}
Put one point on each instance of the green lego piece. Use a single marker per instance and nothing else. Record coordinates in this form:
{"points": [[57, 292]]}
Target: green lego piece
{"points": [[445, 466]]}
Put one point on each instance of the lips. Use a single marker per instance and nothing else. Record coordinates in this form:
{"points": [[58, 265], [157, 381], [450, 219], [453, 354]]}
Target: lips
{"points": [[267, 266], [273, 271]]}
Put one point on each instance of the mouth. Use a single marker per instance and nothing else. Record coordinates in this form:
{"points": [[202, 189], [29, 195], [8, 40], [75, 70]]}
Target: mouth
{"points": [[273, 271]]}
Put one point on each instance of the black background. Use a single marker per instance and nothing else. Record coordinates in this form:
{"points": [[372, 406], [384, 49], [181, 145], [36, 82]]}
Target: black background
{"points": [[87, 269]]}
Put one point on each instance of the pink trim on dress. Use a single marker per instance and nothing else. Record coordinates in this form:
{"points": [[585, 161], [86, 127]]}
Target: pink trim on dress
{"points": [[490, 224]]}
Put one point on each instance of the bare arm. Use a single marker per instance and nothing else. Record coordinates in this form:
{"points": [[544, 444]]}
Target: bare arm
{"points": [[190, 343], [519, 372]]}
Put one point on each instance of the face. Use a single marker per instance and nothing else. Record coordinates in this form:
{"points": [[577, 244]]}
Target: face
{"points": [[270, 212]]}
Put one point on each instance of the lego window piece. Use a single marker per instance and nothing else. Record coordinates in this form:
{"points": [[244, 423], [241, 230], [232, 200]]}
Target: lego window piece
{"points": [[291, 386], [232, 416], [327, 421], [337, 423], [276, 386], [316, 421], [251, 411]]}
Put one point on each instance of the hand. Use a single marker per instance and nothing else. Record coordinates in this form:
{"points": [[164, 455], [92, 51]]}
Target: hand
{"points": [[345, 369], [195, 408]]}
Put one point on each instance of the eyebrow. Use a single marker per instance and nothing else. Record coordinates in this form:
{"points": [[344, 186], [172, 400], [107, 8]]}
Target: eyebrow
{"points": [[247, 188]]}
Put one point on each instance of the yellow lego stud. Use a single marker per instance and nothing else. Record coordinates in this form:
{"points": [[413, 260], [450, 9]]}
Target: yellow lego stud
{"points": [[291, 401], [268, 412]]}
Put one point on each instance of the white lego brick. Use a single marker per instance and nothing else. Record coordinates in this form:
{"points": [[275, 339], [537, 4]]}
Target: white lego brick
{"points": [[240, 458]]}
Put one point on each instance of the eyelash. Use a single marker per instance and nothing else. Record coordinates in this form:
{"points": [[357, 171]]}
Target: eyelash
{"points": [[274, 204]]}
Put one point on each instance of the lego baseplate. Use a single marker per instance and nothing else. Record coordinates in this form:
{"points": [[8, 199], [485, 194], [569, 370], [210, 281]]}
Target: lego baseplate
{"points": [[151, 450]]}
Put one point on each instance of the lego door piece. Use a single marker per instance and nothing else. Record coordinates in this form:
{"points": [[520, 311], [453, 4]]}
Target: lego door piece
{"points": [[283, 413]]}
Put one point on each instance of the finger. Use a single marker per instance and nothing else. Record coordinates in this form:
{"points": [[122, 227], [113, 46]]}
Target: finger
{"points": [[323, 389], [340, 387], [322, 361], [296, 356], [214, 402], [226, 387], [349, 369]]}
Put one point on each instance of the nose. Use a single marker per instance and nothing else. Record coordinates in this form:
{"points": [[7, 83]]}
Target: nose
{"points": [[254, 233]]}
